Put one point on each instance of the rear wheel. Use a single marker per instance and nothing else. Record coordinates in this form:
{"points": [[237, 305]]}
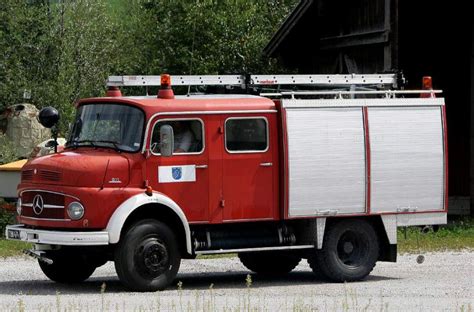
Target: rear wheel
{"points": [[269, 263], [67, 268], [147, 258], [350, 251]]}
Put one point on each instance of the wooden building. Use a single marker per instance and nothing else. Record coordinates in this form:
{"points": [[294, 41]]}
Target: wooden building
{"points": [[420, 38]]}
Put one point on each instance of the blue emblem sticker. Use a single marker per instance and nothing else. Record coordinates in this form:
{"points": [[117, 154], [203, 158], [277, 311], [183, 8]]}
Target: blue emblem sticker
{"points": [[177, 173]]}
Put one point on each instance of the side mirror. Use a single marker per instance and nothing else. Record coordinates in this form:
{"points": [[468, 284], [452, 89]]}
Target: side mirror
{"points": [[48, 117], [166, 140]]}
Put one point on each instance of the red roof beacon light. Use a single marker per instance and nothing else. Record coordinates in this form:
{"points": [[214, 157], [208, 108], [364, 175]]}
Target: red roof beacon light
{"points": [[114, 92], [165, 91], [427, 84]]}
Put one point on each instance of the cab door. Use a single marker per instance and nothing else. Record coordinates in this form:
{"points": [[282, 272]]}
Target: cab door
{"points": [[248, 168], [184, 176]]}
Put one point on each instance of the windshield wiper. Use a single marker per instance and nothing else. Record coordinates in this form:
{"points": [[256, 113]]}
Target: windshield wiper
{"points": [[93, 143], [75, 143], [114, 143]]}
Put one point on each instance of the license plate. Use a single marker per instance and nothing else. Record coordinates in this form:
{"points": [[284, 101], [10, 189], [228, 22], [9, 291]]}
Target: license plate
{"points": [[13, 234]]}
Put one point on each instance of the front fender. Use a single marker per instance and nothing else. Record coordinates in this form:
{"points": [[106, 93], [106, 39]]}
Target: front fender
{"points": [[116, 222]]}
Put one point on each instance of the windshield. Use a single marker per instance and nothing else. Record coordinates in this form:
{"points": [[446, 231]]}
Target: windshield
{"points": [[113, 126]]}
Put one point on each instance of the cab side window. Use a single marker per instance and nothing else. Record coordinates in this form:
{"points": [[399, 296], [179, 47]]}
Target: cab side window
{"points": [[246, 135], [188, 136]]}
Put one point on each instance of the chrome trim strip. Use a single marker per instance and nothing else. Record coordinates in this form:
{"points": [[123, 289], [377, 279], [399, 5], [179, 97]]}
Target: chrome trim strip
{"points": [[44, 219], [247, 151], [223, 251], [145, 139], [53, 206], [44, 191], [44, 206]]}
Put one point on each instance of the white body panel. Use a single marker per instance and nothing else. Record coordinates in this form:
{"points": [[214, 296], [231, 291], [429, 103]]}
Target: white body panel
{"points": [[407, 159], [119, 217], [326, 161]]}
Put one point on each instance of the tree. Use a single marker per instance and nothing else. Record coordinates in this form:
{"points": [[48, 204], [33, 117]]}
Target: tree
{"points": [[60, 51], [208, 36], [64, 50]]}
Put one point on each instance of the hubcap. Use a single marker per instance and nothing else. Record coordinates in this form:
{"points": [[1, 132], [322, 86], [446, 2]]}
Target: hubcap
{"points": [[352, 249], [348, 247], [152, 258]]}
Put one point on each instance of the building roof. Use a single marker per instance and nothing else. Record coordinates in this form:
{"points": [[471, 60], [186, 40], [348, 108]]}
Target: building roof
{"points": [[287, 27]]}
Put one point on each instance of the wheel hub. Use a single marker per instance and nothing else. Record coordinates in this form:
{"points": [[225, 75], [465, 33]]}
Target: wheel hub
{"points": [[152, 257], [352, 249], [348, 247]]}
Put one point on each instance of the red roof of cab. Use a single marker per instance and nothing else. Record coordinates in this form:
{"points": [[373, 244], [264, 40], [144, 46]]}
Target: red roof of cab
{"points": [[152, 105]]}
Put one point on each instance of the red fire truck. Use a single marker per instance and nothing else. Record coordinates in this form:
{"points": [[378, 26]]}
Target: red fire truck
{"points": [[326, 174]]}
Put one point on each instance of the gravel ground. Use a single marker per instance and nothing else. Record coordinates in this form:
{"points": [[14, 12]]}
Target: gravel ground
{"points": [[445, 281]]}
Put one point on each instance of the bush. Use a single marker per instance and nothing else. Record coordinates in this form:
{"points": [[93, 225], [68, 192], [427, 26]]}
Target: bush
{"points": [[6, 218], [8, 153]]}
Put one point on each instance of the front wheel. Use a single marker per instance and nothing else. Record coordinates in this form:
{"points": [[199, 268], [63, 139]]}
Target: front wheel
{"points": [[350, 251], [147, 257], [67, 268]]}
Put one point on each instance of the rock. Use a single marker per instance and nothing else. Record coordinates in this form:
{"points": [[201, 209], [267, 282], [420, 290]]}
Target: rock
{"points": [[24, 129]]}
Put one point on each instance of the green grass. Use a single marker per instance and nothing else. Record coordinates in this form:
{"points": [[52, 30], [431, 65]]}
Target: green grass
{"points": [[456, 235], [10, 248]]}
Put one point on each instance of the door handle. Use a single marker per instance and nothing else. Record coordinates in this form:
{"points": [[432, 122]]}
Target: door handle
{"points": [[201, 166], [268, 164]]}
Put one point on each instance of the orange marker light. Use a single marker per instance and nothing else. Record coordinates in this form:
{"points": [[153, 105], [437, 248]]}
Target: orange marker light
{"points": [[165, 81], [149, 190], [427, 83]]}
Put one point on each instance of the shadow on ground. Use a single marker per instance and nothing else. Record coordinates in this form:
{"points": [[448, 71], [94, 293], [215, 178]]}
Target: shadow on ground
{"points": [[190, 281]]}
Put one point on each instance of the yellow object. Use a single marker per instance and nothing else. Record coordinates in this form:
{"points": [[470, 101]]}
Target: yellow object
{"points": [[13, 166]]}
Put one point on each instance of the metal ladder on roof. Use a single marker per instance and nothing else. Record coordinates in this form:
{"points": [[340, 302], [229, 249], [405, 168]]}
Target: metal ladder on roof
{"points": [[390, 80], [386, 85]]}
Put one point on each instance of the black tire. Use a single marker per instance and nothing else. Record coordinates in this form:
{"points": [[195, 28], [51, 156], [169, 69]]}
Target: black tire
{"points": [[67, 268], [315, 267], [269, 263], [147, 257], [350, 251]]}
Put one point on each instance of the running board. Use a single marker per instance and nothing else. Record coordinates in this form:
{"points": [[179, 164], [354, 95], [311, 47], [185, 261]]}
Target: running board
{"points": [[224, 251]]}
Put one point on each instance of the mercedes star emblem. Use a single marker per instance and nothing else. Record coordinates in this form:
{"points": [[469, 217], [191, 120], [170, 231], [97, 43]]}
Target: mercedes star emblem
{"points": [[38, 204]]}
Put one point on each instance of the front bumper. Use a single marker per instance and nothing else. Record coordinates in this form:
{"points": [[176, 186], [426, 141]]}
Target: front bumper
{"points": [[21, 233]]}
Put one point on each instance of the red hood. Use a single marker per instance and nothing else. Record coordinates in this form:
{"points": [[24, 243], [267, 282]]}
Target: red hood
{"points": [[82, 168]]}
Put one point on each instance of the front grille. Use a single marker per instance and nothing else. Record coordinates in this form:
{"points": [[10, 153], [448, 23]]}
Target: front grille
{"points": [[47, 213], [49, 175], [26, 175], [42, 205]]}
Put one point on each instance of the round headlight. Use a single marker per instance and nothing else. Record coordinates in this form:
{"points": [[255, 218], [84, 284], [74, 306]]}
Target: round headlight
{"points": [[18, 206], [75, 211]]}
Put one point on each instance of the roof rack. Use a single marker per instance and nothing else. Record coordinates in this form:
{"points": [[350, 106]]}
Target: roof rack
{"points": [[391, 80], [341, 93]]}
